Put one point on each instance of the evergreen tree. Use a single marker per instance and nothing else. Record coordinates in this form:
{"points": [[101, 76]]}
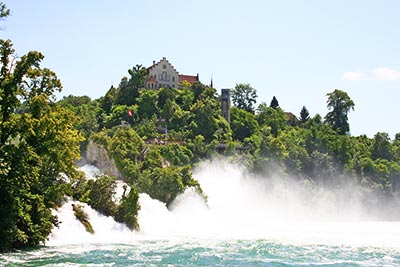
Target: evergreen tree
{"points": [[304, 115], [108, 100], [274, 103]]}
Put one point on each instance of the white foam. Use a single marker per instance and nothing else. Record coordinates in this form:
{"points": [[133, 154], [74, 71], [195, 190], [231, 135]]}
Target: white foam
{"points": [[241, 207], [71, 231]]}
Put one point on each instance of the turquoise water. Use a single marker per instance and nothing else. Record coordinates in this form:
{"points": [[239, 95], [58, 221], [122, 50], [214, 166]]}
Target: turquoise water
{"points": [[203, 253]]}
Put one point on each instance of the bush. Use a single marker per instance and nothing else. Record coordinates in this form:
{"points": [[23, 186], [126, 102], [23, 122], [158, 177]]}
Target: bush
{"points": [[128, 209], [101, 195], [83, 217]]}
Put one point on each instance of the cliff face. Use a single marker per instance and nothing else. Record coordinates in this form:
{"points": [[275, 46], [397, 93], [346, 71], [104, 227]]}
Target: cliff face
{"points": [[97, 155]]}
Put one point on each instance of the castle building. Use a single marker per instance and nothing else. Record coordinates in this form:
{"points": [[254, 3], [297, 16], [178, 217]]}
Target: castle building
{"points": [[163, 74]]}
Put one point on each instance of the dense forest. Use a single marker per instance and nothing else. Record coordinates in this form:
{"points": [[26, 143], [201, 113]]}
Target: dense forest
{"points": [[156, 137]]}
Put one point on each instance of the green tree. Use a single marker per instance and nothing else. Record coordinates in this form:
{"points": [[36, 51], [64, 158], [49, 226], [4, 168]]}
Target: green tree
{"points": [[101, 195], [274, 118], [38, 148], [304, 115], [128, 89], [147, 103], [176, 154], [119, 115], [243, 124], [165, 94], [169, 110], [205, 118], [185, 97], [74, 102], [274, 103], [108, 100], [197, 88], [244, 97], [138, 75], [127, 210], [4, 11], [146, 129], [381, 147], [396, 148], [165, 184], [125, 94], [126, 147], [340, 105]]}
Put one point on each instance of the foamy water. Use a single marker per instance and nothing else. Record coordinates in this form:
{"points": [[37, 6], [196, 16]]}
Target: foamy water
{"points": [[240, 207], [247, 221]]}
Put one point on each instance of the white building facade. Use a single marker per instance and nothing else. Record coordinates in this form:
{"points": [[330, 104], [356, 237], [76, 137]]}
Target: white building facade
{"points": [[162, 74]]}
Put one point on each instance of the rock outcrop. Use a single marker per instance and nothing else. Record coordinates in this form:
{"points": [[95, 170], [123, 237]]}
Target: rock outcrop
{"points": [[97, 155]]}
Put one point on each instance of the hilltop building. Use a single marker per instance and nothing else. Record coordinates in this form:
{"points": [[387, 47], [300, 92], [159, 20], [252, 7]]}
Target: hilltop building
{"points": [[163, 74]]}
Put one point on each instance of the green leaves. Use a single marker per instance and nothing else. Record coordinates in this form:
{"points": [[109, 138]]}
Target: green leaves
{"points": [[38, 146], [243, 124], [340, 105], [244, 97]]}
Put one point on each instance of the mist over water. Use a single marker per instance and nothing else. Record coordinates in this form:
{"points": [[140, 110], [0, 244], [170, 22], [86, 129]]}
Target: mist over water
{"points": [[246, 221], [241, 206]]}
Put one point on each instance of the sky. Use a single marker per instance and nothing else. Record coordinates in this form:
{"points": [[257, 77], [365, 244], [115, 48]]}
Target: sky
{"points": [[297, 51]]}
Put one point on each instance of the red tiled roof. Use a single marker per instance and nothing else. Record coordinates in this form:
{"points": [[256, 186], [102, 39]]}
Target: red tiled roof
{"points": [[151, 80], [188, 78], [290, 116]]}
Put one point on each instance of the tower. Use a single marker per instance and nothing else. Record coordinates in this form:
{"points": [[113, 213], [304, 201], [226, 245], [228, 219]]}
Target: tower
{"points": [[226, 104]]}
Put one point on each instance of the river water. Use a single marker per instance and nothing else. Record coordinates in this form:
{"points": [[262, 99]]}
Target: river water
{"points": [[246, 221], [195, 252]]}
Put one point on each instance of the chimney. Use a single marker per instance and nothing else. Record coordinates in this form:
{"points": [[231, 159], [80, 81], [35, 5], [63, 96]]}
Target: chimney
{"points": [[154, 62], [197, 77]]}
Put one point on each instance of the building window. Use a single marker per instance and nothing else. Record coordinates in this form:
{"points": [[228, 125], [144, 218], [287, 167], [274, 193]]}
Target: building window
{"points": [[164, 76], [173, 79], [164, 66]]}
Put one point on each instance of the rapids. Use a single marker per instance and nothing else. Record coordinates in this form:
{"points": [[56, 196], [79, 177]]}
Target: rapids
{"points": [[241, 207], [246, 221]]}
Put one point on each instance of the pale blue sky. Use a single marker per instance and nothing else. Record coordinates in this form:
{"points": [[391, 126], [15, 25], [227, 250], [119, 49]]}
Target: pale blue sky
{"points": [[297, 51]]}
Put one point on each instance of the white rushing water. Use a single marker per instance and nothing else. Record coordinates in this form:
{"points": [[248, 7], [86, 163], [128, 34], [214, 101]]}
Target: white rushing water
{"points": [[241, 207]]}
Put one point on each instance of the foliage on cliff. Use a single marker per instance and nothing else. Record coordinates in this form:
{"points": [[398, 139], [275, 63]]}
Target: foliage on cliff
{"points": [[182, 126]]}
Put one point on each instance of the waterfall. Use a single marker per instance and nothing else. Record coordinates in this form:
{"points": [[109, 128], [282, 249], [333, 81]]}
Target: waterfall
{"points": [[240, 206]]}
